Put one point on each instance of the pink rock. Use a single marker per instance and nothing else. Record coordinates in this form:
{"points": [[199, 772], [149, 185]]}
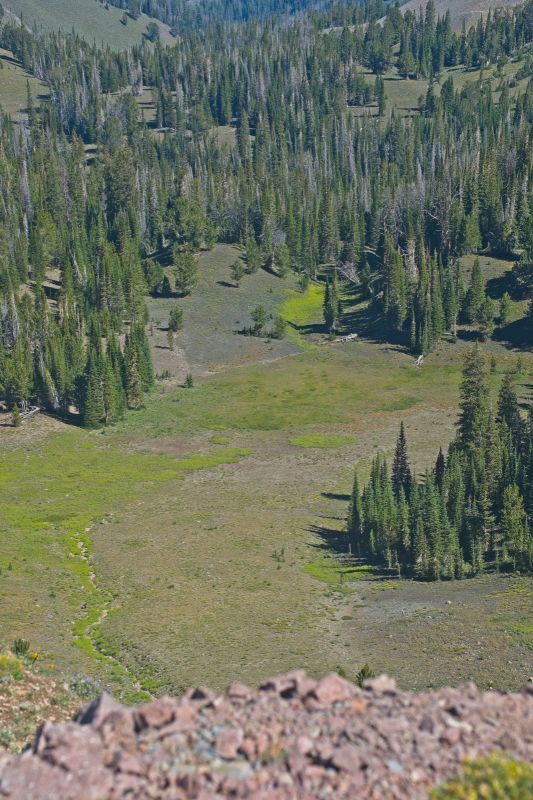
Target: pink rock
{"points": [[157, 713], [69, 746], [239, 691], [201, 695], [102, 710], [249, 748], [381, 684], [262, 742], [279, 684], [332, 688], [304, 745], [131, 764], [358, 705], [185, 711], [324, 750], [451, 736], [228, 742], [346, 757]]}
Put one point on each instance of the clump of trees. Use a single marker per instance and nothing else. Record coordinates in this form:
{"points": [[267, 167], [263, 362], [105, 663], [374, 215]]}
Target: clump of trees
{"points": [[472, 510]]}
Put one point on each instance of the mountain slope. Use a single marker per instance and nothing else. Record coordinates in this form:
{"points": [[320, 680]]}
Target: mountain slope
{"points": [[90, 18], [468, 11]]}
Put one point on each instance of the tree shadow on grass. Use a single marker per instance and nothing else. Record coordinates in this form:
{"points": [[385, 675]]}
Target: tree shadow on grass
{"points": [[366, 320], [334, 542], [330, 540], [516, 335], [496, 287], [334, 496], [313, 327]]}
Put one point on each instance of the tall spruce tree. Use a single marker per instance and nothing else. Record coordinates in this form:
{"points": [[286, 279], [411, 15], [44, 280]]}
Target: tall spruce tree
{"points": [[401, 471], [473, 403]]}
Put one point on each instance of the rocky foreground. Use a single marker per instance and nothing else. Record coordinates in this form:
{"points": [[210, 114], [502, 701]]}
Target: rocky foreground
{"points": [[292, 738]]}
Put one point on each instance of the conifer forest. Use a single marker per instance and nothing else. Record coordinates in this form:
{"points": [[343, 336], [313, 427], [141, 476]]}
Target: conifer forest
{"points": [[266, 243]]}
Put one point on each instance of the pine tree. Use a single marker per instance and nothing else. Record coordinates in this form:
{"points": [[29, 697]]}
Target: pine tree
{"points": [[355, 520], [509, 411], [328, 308], [401, 472], [473, 402], [186, 266], [16, 419], [94, 408], [379, 92], [505, 309], [175, 319], [515, 539], [440, 469], [134, 388], [237, 272], [475, 296], [259, 319]]}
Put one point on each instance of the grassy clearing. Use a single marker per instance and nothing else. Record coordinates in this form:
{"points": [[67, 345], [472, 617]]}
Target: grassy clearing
{"points": [[52, 494], [215, 314], [14, 85], [95, 21], [321, 441], [206, 558], [345, 384], [220, 562], [303, 312], [403, 96], [328, 570]]}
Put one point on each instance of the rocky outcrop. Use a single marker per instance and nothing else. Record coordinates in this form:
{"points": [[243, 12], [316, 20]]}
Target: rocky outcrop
{"points": [[292, 738]]}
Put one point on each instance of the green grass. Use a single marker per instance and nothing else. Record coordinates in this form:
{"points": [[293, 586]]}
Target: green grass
{"points": [[183, 547], [328, 570], [216, 314], [402, 96], [525, 631], [89, 18], [14, 85], [321, 441], [52, 493], [329, 386], [301, 309]]}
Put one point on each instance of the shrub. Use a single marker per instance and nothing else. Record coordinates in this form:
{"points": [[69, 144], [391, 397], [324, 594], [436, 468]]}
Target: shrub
{"points": [[364, 674], [491, 778], [21, 648], [10, 666], [85, 687]]}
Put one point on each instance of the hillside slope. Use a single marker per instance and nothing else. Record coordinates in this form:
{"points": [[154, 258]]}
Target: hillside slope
{"points": [[96, 22], [467, 11]]}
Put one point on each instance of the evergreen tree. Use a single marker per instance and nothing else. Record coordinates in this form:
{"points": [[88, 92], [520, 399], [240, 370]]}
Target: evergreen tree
{"points": [[355, 520], [93, 407], [516, 542], [401, 471], [475, 296], [175, 319], [473, 403], [186, 266]]}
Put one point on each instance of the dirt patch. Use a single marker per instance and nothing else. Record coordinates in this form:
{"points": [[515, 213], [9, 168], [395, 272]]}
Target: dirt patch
{"points": [[430, 634]]}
